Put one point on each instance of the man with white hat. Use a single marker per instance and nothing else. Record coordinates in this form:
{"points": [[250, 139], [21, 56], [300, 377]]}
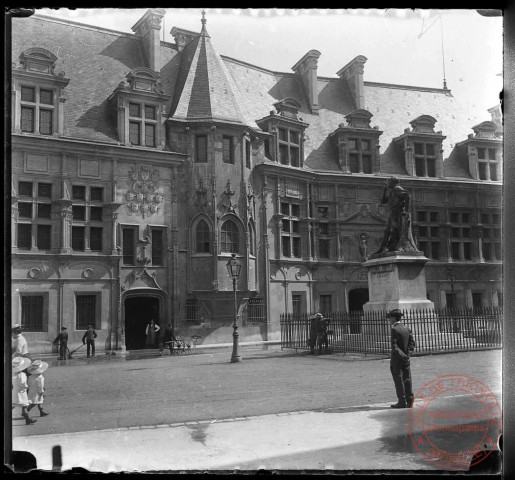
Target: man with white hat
{"points": [[19, 387], [36, 384], [19, 343], [402, 345]]}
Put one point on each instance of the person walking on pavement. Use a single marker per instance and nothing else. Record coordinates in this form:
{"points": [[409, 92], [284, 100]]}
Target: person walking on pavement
{"points": [[152, 329], [168, 337], [19, 387], [62, 339], [19, 343], [402, 345], [314, 331], [89, 338], [36, 383]]}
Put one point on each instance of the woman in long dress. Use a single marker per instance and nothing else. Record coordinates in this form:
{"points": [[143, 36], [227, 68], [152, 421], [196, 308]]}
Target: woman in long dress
{"points": [[151, 332]]}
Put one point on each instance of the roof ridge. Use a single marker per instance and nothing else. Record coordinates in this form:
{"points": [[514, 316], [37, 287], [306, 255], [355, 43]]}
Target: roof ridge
{"points": [[48, 18]]}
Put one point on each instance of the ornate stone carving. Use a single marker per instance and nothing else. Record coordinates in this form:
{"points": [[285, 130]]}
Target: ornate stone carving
{"points": [[34, 272], [227, 195], [363, 247], [201, 192], [87, 273], [140, 280], [142, 197]]}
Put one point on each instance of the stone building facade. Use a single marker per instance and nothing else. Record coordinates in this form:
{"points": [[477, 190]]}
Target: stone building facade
{"points": [[139, 167]]}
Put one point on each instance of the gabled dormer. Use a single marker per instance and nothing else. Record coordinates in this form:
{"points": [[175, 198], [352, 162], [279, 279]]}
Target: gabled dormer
{"points": [[484, 152], [422, 148], [38, 94], [140, 107], [357, 143], [286, 146]]}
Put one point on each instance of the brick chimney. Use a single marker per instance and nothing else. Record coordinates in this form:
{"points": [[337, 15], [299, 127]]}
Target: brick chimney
{"points": [[182, 37], [353, 74], [306, 67], [148, 28]]}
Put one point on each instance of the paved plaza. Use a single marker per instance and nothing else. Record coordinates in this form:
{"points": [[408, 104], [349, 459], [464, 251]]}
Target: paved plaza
{"points": [[274, 410]]}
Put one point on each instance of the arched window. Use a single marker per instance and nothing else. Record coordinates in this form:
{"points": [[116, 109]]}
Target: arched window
{"points": [[230, 237], [202, 237]]}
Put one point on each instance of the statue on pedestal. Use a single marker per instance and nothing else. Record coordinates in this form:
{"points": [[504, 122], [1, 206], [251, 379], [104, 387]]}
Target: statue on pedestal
{"points": [[397, 235]]}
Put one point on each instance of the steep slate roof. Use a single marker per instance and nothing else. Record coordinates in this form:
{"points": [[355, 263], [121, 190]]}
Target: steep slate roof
{"points": [[205, 89], [202, 84]]}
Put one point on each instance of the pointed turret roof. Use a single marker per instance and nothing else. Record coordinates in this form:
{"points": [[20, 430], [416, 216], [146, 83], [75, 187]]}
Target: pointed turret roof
{"points": [[205, 89]]}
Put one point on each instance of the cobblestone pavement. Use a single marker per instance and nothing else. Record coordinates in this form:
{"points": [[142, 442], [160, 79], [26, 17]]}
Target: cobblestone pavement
{"points": [[174, 389]]}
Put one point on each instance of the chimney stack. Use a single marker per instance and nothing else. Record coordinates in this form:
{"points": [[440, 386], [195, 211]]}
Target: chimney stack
{"points": [[182, 37], [306, 67], [353, 74], [148, 28]]}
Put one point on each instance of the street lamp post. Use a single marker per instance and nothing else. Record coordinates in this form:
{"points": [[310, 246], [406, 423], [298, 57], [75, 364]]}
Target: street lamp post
{"points": [[234, 267], [450, 278]]}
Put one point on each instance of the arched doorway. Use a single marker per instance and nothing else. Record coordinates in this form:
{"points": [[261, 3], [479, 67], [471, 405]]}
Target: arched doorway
{"points": [[138, 311], [357, 298]]}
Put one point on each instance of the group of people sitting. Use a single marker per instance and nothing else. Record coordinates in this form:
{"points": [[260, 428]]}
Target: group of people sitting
{"points": [[318, 334]]}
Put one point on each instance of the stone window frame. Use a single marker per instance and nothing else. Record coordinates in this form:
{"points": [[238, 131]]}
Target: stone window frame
{"points": [[422, 132], [286, 144], [35, 220], [162, 230], [197, 157], [142, 122], [486, 136], [88, 224], [143, 88], [491, 235], [291, 237], [461, 235], [96, 321], [134, 244], [359, 152], [44, 310], [37, 72], [425, 219], [228, 149], [424, 159], [225, 244]]}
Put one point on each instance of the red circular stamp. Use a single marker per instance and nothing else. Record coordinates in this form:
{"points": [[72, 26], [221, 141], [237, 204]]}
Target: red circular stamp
{"points": [[455, 421]]}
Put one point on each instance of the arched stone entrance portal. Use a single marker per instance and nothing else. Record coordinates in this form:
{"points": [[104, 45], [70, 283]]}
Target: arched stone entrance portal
{"points": [[357, 298], [138, 309]]}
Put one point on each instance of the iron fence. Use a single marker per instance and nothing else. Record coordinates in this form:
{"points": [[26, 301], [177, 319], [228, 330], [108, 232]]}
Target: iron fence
{"points": [[369, 332]]}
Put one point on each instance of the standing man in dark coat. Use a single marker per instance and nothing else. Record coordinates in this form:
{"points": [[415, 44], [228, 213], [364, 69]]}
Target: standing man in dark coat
{"points": [[314, 331], [89, 339], [402, 344], [62, 339]]}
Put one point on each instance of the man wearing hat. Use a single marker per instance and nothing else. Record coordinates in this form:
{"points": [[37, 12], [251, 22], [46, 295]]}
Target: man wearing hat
{"points": [[62, 339], [402, 344], [314, 332], [19, 387], [36, 383], [19, 343]]}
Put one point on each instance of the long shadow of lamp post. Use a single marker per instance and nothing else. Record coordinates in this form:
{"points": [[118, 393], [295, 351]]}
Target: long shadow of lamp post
{"points": [[234, 267]]}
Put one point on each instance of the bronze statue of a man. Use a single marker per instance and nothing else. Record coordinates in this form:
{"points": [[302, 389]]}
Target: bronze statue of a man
{"points": [[397, 235]]}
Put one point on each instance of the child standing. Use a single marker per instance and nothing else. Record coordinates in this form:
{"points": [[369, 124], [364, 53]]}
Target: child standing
{"points": [[36, 384], [19, 387]]}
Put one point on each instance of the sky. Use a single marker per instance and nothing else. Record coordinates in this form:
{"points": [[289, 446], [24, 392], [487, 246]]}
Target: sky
{"points": [[402, 46]]}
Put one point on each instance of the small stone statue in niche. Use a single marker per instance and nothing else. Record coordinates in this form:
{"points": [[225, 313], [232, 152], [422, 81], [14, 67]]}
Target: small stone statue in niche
{"points": [[397, 235], [363, 247]]}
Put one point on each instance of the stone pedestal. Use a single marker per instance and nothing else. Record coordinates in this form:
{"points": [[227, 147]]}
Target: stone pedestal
{"points": [[397, 280]]}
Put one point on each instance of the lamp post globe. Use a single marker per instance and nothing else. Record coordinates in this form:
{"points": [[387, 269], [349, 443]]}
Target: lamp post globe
{"points": [[234, 268]]}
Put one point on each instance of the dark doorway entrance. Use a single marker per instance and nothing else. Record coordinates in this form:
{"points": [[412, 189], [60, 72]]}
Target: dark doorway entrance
{"points": [[138, 313], [357, 298]]}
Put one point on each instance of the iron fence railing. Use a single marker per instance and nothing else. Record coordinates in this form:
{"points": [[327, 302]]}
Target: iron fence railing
{"points": [[369, 332]]}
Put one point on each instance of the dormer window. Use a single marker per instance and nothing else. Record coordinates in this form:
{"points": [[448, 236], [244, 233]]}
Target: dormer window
{"points": [[38, 104], [357, 143], [140, 106], [422, 148], [286, 145], [483, 149]]}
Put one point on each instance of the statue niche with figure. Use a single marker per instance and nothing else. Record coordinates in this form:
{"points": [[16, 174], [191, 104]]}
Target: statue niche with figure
{"points": [[397, 235]]}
